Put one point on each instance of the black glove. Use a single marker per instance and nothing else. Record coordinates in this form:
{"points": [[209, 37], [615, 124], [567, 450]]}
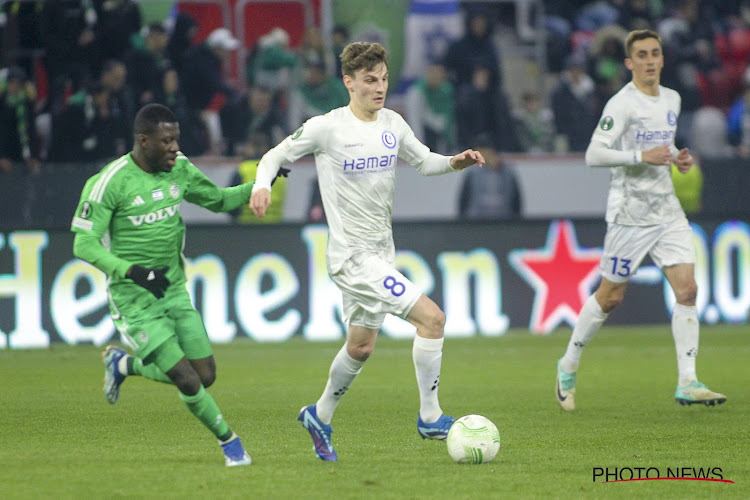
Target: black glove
{"points": [[153, 280], [283, 172]]}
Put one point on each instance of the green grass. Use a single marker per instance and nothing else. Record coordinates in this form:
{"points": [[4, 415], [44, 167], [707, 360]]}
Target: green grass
{"points": [[59, 438]]}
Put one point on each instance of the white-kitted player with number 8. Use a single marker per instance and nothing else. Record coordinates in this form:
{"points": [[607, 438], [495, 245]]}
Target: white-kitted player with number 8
{"points": [[635, 137], [356, 148]]}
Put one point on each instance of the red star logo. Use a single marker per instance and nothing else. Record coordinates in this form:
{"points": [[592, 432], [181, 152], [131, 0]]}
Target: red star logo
{"points": [[562, 275]]}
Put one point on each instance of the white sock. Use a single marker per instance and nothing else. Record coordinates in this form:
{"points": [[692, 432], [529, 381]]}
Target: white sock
{"points": [[234, 435], [344, 369], [685, 330], [589, 321], [122, 365], [428, 355]]}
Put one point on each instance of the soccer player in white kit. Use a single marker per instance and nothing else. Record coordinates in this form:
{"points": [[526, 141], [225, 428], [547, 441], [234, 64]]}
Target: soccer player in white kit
{"points": [[635, 138], [356, 149]]}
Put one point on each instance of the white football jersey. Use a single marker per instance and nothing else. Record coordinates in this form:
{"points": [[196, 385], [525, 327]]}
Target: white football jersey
{"points": [[640, 194], [356, 164]]}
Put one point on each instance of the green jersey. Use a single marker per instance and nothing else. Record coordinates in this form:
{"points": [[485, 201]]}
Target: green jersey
{"points": [[127, 216]]}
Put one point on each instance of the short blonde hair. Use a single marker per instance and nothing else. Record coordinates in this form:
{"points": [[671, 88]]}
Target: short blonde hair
{"points": [[636, 35], [362, 55]]}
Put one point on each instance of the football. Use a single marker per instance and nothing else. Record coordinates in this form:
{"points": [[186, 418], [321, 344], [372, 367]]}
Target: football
{"points": [[473, 439]]}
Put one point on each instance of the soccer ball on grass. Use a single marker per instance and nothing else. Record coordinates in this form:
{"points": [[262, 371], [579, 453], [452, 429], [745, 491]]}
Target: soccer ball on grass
{"points": [[473, 439]]}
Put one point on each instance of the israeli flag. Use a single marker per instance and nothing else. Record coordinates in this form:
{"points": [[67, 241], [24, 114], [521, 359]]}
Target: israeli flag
{"points": [[431, 26]]}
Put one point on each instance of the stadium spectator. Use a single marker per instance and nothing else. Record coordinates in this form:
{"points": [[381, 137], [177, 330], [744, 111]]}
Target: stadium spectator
{"points": [[202, 81], [360, 253], [694, 69], [643, 216], [573, 104], [202, 68], [270, 62], [475, 48], [20, 34], [595, 15], [339, 39], [708, 135], [534, 124], [72, 52], [430, 109], [313, 51], [605, 62], [87, 130], [121, 100], [473, 65], [558, 23], [181, 38], [118, 21], [193, 134], [684, 79], [19, 142], [491, 192], [483, 112], [317, 94], [255, 114], [639, 14], [147, 64], [689, 34]]}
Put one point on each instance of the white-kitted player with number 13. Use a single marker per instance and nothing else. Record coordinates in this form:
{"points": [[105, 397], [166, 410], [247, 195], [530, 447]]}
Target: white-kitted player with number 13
{"points": [[635, 137], [356, 148]]}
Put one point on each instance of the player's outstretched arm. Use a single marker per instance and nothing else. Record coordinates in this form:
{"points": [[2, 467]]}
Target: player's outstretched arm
{"points": [[467, 159]]}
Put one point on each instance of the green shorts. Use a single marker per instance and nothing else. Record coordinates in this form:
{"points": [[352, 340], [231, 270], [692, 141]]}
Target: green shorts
{"points": [[171, 317]]}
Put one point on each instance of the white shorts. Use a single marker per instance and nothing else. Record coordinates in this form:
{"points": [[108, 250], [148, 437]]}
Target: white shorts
{"points": [[371, 288], [625, 247]]}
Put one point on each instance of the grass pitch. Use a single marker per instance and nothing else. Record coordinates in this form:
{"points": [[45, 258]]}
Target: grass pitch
{"points": [[60, 439]]}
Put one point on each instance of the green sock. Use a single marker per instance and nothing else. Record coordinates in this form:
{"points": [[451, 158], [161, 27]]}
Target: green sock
{"points": [[203, 406], [136, 367]]}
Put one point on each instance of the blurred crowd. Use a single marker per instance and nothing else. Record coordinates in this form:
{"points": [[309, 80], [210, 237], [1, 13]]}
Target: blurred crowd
{"points": [[74, 72]]}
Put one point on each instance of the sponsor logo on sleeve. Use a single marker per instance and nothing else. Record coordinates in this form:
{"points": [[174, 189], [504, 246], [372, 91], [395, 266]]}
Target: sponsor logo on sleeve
{"points": [[86, 210], [297, 133], [606, 123]]}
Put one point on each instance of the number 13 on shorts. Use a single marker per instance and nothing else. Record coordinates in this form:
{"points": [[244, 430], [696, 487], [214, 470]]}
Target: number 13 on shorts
{"points": [[620, 266]]}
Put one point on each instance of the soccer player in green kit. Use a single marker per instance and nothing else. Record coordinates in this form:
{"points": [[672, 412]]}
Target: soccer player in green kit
{"points": [[128, 225]]}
